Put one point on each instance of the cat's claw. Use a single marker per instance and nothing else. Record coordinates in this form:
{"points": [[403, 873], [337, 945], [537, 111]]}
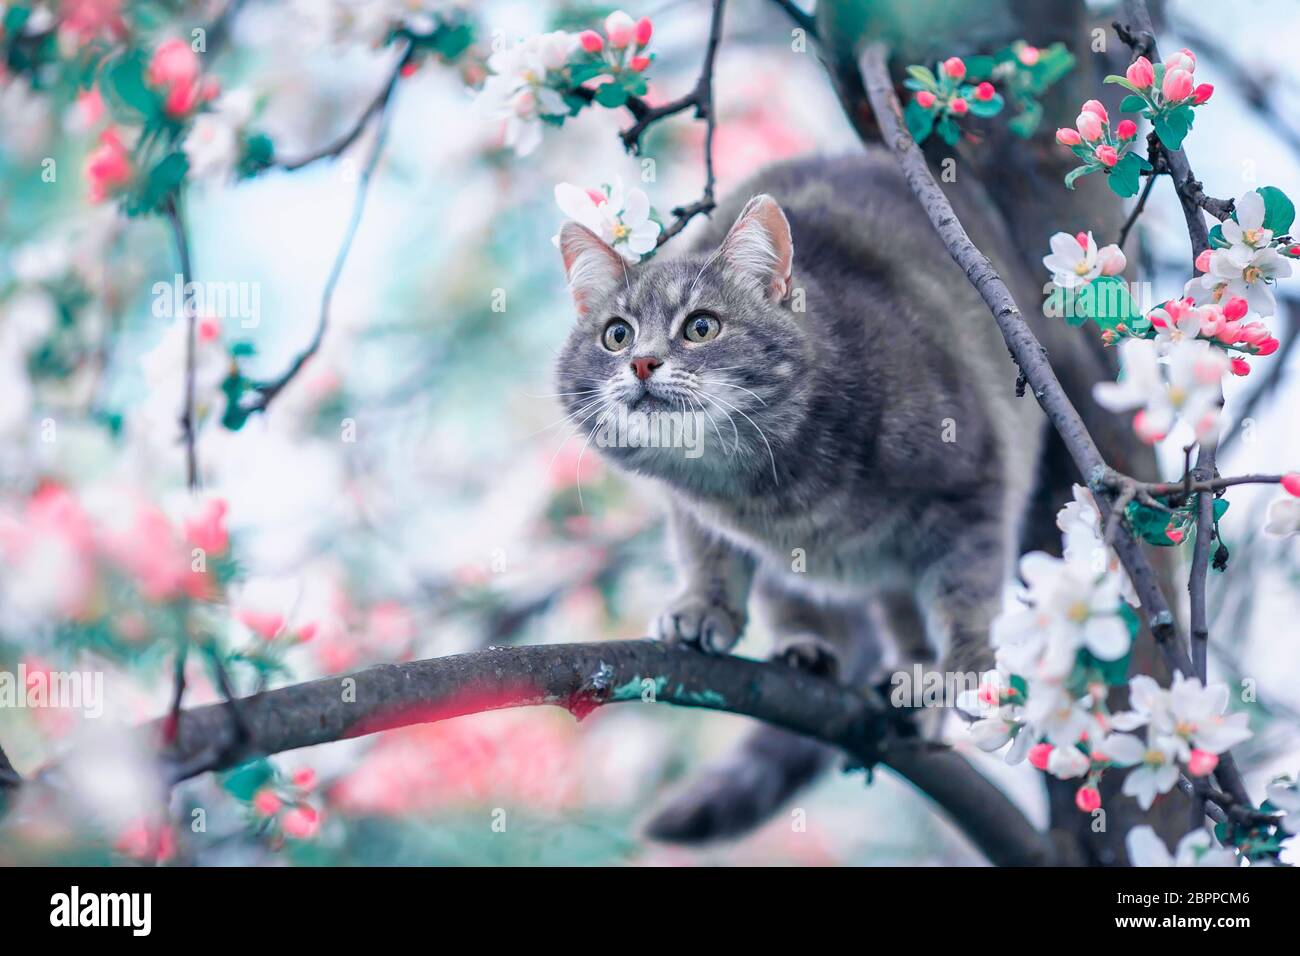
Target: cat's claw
{"points": [[697, 622], [809, 653]]}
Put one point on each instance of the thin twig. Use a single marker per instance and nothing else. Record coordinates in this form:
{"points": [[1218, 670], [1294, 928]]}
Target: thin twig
{"points": [[267, 391], [804, 21], [1156, 159], [182, 244]]}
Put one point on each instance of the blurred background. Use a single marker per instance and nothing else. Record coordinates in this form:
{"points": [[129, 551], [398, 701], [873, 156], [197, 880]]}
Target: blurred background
{"points": [[414, 492]]}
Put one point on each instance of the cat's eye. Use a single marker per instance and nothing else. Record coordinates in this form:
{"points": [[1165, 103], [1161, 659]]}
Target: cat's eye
{"points": [[702, 327], [617, 335]]}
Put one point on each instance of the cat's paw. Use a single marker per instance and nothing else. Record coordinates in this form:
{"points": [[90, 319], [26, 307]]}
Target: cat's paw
{"points": [[810, 654], [699, 622]]}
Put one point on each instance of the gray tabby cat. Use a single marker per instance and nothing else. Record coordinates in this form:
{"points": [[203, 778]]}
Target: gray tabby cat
{"points": [[870, 462]]}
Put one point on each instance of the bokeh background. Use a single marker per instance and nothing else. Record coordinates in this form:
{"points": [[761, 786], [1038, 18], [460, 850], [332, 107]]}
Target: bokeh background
{"points": [[411, 494]]}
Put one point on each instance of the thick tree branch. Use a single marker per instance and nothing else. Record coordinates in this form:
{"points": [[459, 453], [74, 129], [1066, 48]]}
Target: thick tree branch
{"points": [[1030, 357], [581, 677]]}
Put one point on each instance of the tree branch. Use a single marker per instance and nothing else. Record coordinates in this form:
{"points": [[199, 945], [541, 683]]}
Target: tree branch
{"points": [[804, 21], [181, 242], [582, 677], [1031, 358], [267, 391]]}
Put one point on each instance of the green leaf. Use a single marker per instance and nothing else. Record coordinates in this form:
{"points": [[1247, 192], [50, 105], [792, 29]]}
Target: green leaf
{"points": [[1073, 175], [923, 76], [611, 95], [920, 121], [1107, 302], [158, 186], [986, 108], [259, 153], [1125, 176], [124, 83], [1024, 124], [1173, 126], [979, 67], [235, 386], [1132, 104], [1279, 211], [245, 780], [1122, 81], [948, 131], [1216, 238]]}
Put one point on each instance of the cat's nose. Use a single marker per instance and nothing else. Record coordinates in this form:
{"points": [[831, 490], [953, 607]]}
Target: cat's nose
{"points": [[645, 366]]}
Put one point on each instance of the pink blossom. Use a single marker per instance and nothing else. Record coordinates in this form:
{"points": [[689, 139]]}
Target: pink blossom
{"points": [[1239, 366], [1111, 259], [644, 30], [266, 802], [1202, 762], [954, 67], [90, 106], [1065, 136], [984, 92], [1089, 125], [108, 167], [1141, 73], [1029, 55], [958, 105], [1126, 129], [1203, 260], [620, 28], [1087, 799], [207, 528], [302, 822], [1184, 60], [1235, 308], [1095, 107], [1038, 755], [1177, 85], [1107, 156], [1202, 93], [591, 41], [925, 99], [1267, 347], [639, 63], [173, 63], [265, 624], [305, 779], [1291, 483]]}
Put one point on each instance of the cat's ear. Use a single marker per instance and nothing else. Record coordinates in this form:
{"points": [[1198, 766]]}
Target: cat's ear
{"points": [[760, 246], [592, 267]]}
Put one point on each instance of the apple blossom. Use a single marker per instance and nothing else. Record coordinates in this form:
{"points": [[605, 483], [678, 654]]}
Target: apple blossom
{"points": [[1039, 755], [985, 92], [1029, 55], [266, 802], [644, 30], [214, 143], [954, 67], [1066, 762], [1291, 483], [1183, 59], [1089, 125], [1065, 136], [1146, 848], [1126, 129], [1106, 155], [1203, 260], [1202, 93], [1283, 518], [591, 41], [523, 86], [1095, 107], [620, 219], [925, 99], [1157, 774], [108, 167], [1087, 799], [1083, 540], [1141, 73], [1177, 85], [301, 822], [958, 105], [1188, 388], [620, 28]]}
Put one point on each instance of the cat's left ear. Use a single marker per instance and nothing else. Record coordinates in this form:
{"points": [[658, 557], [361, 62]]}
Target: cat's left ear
{"points": [[760, 246], [592, 267]]}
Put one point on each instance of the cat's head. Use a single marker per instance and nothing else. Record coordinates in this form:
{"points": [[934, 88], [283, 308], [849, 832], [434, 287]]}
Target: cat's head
{"points": [[708, 341]]}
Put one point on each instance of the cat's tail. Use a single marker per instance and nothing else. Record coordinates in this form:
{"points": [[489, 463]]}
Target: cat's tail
{"points": [[743, 789]]}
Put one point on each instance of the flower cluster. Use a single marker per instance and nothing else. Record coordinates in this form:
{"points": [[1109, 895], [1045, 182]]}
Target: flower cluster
{"points": [[623, 219], [1058, 656], [1251, 252], [1221, 325], [282, 804], [1167, 381], [548, 77], [1165, 93], [942, 96], [1104, 150], [1076, 260]]}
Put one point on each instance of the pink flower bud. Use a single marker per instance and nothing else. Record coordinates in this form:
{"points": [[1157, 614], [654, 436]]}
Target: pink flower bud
{"points": [[1293, 250], [620, 29], [644, 30], [925, 99], [1140, 73], [1203, 261], [266, 803], [1095, 107], [1064, 136], [1240, 366], [958, 105], [1184, 59], [1235, 309], [1291, 483], [1038, 755], [1029, 55], [1201, 762], [1089, 125], [639, 63], [1126, 129], [591, 41], [984, 92], [1202, 93], [1177, 86], [1145, 429], [1087, 799], [1082, 239], [1111, 259], [1267, 347], [301, 823], [305, 779], [1174, 534], [954, 67], [1107, 156]]}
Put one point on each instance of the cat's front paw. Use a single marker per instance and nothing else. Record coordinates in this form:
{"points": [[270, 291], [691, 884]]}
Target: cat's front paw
{"points": [[699, 622]]}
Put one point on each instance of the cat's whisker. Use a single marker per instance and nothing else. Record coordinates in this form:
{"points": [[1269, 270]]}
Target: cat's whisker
{"points": [[577, 470], [565, 440], [565, 418], [717, 431], [770, 454], [735, 432], [712, 381]]}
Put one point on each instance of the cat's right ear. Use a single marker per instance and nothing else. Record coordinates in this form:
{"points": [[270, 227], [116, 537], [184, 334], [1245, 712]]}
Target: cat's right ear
{"points": [[759, 246], [592, 267]]}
